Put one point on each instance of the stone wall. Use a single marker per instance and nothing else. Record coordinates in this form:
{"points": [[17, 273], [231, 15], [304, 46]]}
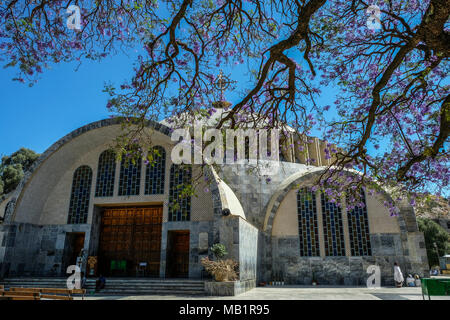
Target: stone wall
{"points": [[346, 270], [28, 249], [255, 191], [228, 288], [241, 241], [393, 239], [264, 266], [196, 248], [33, 250], [248, 250]]}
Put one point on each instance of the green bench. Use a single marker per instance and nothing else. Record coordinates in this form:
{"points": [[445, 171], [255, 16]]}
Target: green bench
{"points": [[435, 287]]}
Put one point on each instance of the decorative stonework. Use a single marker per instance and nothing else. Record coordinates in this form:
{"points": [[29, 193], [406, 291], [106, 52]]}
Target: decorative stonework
{"points": [[74, 134]]}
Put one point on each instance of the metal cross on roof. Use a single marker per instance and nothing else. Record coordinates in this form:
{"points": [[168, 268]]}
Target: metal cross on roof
{"points": [[222, 83]]}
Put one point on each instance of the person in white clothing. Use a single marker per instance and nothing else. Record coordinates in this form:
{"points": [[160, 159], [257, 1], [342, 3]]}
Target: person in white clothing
{"points": [[410, 281], [398, 276], [417, 281]]}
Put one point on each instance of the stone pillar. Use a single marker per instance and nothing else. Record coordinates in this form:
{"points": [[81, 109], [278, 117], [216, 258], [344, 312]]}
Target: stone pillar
{"points": [[314, 152], [320, 224], [345, 227], [300, 155]]}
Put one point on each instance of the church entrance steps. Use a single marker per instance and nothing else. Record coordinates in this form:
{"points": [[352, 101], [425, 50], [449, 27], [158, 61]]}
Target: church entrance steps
{"points": [[119, 286]]}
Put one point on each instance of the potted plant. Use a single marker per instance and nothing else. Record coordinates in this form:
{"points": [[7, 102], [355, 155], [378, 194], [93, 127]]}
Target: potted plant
{"points": [[221, 270], [219, 250]]}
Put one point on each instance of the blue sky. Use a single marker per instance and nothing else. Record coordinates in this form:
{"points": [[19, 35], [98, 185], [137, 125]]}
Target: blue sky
{"points": [[63, 100]]}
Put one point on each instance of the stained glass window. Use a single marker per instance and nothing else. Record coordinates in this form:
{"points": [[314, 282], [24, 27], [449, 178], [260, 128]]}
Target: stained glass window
{"points": [[358, 229], [333, 231], [130, 177], [307, 223], [79, 197], [179, 204], [155, 171], [105, 174]]}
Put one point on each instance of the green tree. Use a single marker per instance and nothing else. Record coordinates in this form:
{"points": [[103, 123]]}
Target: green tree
{"points": [[13, 167], [434, 233]]}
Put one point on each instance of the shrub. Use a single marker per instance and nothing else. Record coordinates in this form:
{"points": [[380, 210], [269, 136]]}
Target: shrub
{"points": [[219, 250], [433, 232], [222, 270]]}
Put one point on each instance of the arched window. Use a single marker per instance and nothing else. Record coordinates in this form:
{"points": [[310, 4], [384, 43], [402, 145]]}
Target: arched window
{"points": [[307, 223], [105, 174], [155, 171], [333, 231], [79, 197], [358, 230], [130, 177], [179, 204]]}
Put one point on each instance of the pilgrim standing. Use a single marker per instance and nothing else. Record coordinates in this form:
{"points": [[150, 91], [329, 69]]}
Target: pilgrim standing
{"points": [[398, 276]]}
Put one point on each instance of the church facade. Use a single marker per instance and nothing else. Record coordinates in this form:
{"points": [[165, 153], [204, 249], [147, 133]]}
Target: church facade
{"points": [[78, 196]]}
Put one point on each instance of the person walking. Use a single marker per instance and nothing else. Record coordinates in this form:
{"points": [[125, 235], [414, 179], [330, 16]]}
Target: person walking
{"points": [[398, 275]]}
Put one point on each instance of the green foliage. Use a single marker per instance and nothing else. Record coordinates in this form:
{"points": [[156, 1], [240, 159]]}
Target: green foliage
{"points": [[13, 167], [434, 233], [219, 250]]}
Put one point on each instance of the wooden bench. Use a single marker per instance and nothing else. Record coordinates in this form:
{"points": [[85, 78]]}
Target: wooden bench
{"points": [[19, 295], [13, 289], [82, 292], [18, 298], [52, 293]]}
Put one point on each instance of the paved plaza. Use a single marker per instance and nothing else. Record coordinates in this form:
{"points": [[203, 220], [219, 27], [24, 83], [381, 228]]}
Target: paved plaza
{"points": [[297, 293]]}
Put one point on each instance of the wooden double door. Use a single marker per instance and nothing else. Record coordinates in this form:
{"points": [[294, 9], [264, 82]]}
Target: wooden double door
{"points": [[130, 241]]}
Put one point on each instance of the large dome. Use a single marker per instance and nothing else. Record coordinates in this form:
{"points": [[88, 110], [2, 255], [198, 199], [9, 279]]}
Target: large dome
{"points": [[294, 146]]}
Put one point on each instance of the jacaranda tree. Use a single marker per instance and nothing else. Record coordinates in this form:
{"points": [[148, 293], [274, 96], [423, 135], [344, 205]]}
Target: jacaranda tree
{"points": [[388, 60]]}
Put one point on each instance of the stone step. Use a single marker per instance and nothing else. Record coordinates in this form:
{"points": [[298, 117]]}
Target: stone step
{"points": [[144, 285], [119, 286], [109, 286], [143, 290], [149, 293], [107, 279], [115, 287], [111, 280]]}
